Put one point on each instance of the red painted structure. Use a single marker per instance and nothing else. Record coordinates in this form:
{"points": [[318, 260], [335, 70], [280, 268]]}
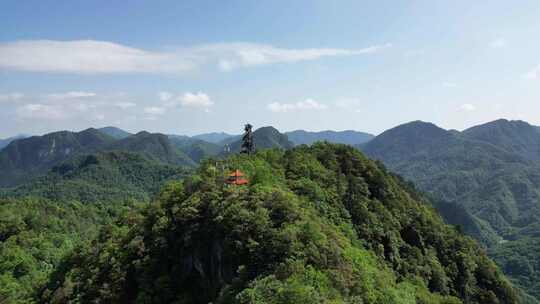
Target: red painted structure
{"points": [[237, 178]]}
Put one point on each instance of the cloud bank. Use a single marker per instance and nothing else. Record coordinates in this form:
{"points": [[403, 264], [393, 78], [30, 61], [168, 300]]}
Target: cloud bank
{"points": [[306, 105], [103, 57]]}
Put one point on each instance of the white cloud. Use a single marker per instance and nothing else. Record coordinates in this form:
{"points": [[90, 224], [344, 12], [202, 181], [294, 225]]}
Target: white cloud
{"points": [[10, 97], [41, 111], [196, 100], [467, 107], [534, 73], [498, 43], [165, 96], [125, 105], [154, 110], [85, 56], [247, 54], [95, 57], [308, 104], [71, 95]]}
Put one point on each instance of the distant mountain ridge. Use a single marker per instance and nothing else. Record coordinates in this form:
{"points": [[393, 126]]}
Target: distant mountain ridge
{"points": [[27, 158], [348, 137], [214, 137], [486, 179], [115, 132], [514, 136], [6, 141], [264, 138]]}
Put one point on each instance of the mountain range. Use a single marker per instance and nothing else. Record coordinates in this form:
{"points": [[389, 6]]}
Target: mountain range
{"points": [[348, 137], [485, 179], [27, 158]]}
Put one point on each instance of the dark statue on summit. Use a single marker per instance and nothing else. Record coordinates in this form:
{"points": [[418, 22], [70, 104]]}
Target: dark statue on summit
{"points": [[247, 140]]}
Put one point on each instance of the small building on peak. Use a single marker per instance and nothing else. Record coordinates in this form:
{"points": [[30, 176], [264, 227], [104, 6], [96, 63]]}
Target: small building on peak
{"points": [[237, 177]]}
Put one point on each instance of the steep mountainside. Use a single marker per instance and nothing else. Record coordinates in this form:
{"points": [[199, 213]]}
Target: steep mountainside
{"points": [[26, 158], [115, 132], [265, 138], [348, 137], [487, 171], [196, 149], [5, 142], [154, 146], [320, 224], [213, 137], [100, 177], [516, 137]]}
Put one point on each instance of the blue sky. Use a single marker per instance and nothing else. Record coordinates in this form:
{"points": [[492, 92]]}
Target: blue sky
{"points": [[188, 67]]}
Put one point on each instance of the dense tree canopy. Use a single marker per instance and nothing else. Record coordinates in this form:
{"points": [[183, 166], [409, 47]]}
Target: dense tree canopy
{"points": [[320, 224]]}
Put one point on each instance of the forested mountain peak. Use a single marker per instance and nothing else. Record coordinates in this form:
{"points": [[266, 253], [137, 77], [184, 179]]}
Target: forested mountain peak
{"points": [[320, 224], [24, 158], [153, 145], [115, 132], [264, 138], [514, 136]]}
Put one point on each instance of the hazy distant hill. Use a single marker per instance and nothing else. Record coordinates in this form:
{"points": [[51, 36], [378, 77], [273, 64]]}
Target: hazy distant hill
{"points": [[154, 146], [25, 158], [214, 137], [348, 137], [264, 138], [456, 168], [115, 132], [196, 149], [5, 142], [514, 136]]}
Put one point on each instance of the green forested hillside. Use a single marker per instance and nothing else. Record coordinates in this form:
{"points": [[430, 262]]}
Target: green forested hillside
{"points": [[27, 158], [115, 132], [196, 149], [320, 224], [44, 220], [36, 234], [485, 179], [516, 137], [154, 146], [100, 177]]}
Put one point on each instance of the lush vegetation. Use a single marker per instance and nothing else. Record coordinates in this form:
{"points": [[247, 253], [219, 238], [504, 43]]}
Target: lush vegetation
{"points": [[485, 179], [320, 224], [100, 177], [36, 234], [521, 261]]}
